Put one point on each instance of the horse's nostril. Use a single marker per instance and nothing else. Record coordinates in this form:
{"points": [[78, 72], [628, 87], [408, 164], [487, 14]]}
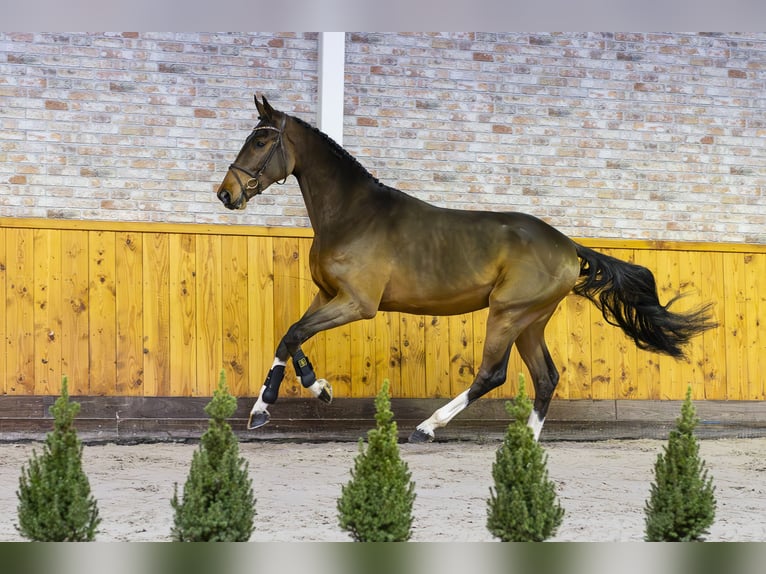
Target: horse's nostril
{"points": [[224, 196]]}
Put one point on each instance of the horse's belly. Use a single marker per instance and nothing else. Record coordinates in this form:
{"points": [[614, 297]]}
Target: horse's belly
{"points": [[435, 300]]}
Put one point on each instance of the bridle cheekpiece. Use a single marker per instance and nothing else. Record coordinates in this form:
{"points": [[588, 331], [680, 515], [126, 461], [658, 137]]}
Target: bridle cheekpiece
{"points": [[254, 183]]}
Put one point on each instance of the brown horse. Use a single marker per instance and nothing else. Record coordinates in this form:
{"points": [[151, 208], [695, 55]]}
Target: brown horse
{"points": [[377, 248]]}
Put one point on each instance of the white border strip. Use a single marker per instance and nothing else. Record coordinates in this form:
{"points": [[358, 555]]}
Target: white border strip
{"points": [[332, 62]]}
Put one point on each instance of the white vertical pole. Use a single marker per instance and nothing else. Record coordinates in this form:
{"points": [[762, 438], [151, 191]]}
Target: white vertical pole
{"points": [[332, 56]]}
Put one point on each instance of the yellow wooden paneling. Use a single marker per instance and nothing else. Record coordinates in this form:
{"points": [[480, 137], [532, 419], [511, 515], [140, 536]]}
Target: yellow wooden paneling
{"points": [[209, 310], [260, 281], [129, 309], [182, 326], [19, 312], [412, 336], [388, 351], [235, 313], [4, 315], [690, 281], [47, 302], [102, 313], [602, 355], [648, 375], [156, 297], [755, 297], [578, 353], [315, 347], [437, 357], [713, 340], [625, 373], [287, 305], [75, 327], [159, 310], [556, 340], [462, 360], [736, 324]]}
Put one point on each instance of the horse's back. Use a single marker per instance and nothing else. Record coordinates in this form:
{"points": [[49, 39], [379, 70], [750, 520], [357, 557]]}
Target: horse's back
{"points": [[448, 261]]}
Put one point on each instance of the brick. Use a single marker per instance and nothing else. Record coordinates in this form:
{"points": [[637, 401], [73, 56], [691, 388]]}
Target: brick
{"points": [[626, 134]]}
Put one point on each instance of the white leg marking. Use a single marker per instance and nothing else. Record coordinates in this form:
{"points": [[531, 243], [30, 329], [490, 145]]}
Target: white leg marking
{"points": [[535, 422], [277, 362], [317, 386], [445, 414], [260, 405]]}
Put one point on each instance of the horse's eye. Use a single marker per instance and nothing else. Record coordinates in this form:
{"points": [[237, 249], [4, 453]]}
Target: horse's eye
{"points": [[260, 143]]}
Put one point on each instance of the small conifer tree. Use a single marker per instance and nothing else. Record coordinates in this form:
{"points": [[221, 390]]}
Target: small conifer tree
{"points": [[681, 505], [55, 501], [218, 503], [376, 504], [523, 506]]}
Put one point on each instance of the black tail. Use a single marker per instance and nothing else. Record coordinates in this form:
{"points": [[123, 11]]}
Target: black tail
{"points": [[627, 296]]}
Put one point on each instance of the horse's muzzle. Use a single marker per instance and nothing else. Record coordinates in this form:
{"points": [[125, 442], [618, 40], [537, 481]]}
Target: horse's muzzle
{"points": [[225, 197]]}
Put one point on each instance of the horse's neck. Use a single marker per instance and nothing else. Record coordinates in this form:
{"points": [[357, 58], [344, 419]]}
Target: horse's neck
{"points": [[330, 184]]}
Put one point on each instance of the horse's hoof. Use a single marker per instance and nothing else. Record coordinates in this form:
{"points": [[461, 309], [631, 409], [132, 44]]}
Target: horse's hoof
{"points": [[419, 436], [257, 420], [325, 391]]}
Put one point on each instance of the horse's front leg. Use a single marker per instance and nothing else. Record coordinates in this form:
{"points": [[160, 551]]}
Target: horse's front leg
{"points": [[320, 388], [322, 314]]}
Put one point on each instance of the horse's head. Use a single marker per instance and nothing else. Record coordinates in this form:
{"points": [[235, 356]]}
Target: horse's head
{"points": [[262, 160]]}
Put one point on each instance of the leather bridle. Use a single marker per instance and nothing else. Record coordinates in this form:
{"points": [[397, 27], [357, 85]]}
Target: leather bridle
{"points": [[254, 182]]}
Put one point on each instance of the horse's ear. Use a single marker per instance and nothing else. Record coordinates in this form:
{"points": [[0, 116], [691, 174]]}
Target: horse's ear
{"points": [[264, 109], [259, 106]]}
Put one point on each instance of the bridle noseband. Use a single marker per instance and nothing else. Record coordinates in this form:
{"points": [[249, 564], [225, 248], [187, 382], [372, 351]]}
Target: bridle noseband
{"points": [[254, 182]]}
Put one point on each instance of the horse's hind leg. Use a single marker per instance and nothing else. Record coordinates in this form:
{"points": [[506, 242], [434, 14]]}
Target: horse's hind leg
{"points": [[501, 332], [534, 352]]}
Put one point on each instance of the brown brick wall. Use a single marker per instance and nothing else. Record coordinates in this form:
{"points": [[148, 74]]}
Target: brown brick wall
{"points": [[641, 135]]}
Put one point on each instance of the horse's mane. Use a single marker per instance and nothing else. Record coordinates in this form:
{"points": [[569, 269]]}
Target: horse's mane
{"points": [[338, 150]]}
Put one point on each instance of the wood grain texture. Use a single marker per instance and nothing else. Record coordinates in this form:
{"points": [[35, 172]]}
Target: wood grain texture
{"points": [[159, 311]]}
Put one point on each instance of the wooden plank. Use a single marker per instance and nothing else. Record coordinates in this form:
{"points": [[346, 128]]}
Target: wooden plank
{"points": [[155, 227], [315, 347], [387, 351], [556, 337], [338, 360], [287, 305], [130, 320], [754, 270], [713, 340], [260, 278], [209, 308], [479, 319], [461, 353], [182, 327], [47, 296], [648, 363], [436, 357], [156, 271], [75, 326], [363, 375], [102, 312], [412, 333], [265, 231], [355, 409], [672, 383], [602, 337], [235, 313], [3, 317], [691, 279], [578, 363], [735, 308], [19, 312], [624, 352]]}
